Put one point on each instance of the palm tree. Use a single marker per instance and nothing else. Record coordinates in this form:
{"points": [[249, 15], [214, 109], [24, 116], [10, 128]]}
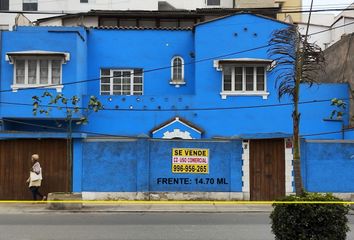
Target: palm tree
{"points": [[297, 62]]}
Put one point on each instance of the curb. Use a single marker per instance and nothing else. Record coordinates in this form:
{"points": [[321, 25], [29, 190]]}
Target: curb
{"points": [[37, 209]]}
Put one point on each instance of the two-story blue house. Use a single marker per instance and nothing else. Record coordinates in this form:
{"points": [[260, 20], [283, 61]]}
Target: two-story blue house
{"points": [[187, 112]]}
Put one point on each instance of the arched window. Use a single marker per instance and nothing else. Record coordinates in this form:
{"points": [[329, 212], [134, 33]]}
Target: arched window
{"points": [[177, 69]]}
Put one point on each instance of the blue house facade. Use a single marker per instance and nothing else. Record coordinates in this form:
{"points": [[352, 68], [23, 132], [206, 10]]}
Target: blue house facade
{"points": [[187, 112]]}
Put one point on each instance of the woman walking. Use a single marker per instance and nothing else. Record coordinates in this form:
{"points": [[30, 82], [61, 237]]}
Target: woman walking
{"points": [[35, 178]]}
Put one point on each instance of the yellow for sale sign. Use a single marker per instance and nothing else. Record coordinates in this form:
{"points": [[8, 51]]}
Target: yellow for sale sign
{"points": [[190, 160]]}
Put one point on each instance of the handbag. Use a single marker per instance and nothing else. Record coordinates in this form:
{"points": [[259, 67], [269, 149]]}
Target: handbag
{"points": [[35, 177]]}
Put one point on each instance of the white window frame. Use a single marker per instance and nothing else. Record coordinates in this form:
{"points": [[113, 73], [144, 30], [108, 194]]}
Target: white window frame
{"points": [[177, 82], [15, 86], [263, 93], [111, 70]]}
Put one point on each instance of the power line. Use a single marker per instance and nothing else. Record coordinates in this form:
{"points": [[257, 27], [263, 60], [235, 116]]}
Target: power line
{"points": [[328, 5], [326, 133], [308, 22], [184, 109], [162, 68], [168, 67], [115, 3], [63, 130], [241, 9], [165, 67], [119, 2], [144, 71], [332, 28]]}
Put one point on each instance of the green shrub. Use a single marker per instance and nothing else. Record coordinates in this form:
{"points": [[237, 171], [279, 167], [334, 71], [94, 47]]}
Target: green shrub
{"points": [[310, 221]]}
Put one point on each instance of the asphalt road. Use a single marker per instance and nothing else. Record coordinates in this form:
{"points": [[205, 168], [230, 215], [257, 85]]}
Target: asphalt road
{"points": [[138, 226]]}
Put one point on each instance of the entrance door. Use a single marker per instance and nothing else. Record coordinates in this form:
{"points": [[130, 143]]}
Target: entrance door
{"points": [[15, 163], [267, 169]]}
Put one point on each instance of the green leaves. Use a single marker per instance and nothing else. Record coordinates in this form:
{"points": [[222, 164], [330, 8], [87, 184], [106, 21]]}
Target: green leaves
{"points": [[69, 106], [95, 104], [340, 108]]}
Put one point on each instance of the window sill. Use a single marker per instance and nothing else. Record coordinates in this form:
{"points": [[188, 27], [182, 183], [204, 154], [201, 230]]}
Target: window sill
{"points": [[15, 87], [264, 95], [177, 83]]}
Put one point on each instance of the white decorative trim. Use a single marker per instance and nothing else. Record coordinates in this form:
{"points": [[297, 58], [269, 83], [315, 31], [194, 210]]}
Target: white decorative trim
{"points": [[8, 56], [177, 134], [242, 61], [264, 95], [176, 120], [246, 170], [15, 87], [289, 178], [177, 83]]}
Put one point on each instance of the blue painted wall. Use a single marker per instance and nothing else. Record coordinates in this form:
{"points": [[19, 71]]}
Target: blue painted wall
{"points": [[109, 167], [151, 50], [328, 167], [141, 166], [199, 101], [112, 166], [56, 39], [238, 118]]}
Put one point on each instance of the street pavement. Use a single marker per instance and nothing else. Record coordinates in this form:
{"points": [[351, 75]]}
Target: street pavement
{"points": [[137, 221], [135, 226]]}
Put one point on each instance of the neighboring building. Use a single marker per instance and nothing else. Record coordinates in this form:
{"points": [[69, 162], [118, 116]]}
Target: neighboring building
{"points": [[327, 29], [146, 19], [30, 7], [189, 113], [339, 66]]}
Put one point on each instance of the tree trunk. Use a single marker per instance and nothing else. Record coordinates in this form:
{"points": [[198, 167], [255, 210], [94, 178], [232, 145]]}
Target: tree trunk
{"points": [[69, 154], [296, 129], [297, 161]]}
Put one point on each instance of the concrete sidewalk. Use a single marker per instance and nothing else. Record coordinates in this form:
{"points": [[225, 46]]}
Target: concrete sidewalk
{"points": [[41, 207]]}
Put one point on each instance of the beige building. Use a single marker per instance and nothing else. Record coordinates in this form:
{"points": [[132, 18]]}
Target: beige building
{"points": [[290, 5], [283, 5]]}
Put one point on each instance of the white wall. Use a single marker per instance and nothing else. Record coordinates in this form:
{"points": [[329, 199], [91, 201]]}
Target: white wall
{"points": [[319, 18], [339, 32], [321, 39]]}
